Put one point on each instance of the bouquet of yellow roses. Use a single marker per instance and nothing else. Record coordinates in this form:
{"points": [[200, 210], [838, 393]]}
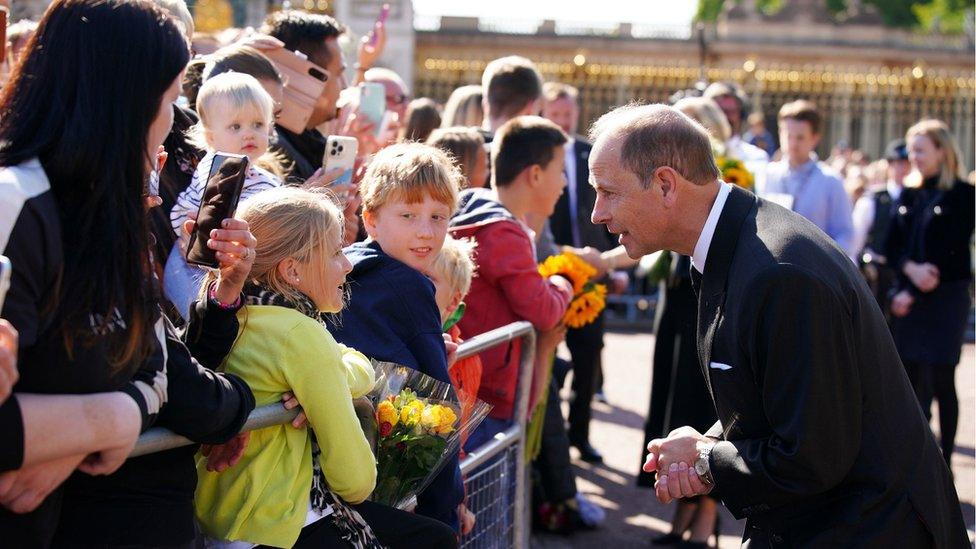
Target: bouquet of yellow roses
{"points": [[589, 298], [417, 429]]}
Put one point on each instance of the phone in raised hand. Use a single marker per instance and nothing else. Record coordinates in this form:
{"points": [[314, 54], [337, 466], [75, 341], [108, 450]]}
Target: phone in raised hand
{"points": [[384, 14], [340, 152], [218, 202]]}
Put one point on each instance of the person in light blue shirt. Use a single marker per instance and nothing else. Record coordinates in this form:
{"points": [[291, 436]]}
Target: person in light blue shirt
{"points": [[804, 184]]}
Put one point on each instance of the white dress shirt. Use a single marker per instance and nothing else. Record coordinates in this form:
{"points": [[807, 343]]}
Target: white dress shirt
{"points": [[571, 191], [708, 231]]}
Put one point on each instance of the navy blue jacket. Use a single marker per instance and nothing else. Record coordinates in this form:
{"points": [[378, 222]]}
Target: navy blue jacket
{"points": [[392, 317]]}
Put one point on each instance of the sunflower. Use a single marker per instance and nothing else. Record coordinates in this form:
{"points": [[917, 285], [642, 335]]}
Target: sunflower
{"points": [[735, 172], [570, 266], [586, 306]]}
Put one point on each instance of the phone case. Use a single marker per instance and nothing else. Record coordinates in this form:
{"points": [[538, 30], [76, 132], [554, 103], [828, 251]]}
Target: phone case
{"points": [[372, 102], [304, 82], [340, 152], [219, 202]]}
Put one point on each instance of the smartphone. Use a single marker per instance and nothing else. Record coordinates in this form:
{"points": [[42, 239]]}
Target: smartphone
{"points": [[372, 103], [304, 83], [340, 152], [5, 269], [219, 202], [384, 14]]}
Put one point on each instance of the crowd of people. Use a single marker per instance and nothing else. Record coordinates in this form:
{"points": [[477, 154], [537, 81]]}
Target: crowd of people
{"points": [[108, 330]]}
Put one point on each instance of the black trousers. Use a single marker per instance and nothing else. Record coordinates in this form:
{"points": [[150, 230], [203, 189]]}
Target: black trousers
{"points": [[553, 464], [938, 382], [394, 528], [585, 346]]}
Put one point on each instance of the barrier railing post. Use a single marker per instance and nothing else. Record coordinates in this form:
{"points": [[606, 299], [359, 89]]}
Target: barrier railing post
{"points": [[522, 505]]}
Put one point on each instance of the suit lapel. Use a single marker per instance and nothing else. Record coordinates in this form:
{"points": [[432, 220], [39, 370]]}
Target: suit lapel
{"points": [[715, 278]]}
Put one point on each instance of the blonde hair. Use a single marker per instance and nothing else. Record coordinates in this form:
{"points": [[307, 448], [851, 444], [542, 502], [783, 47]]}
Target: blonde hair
{"points": [[938, 132], [179, 11], [455, 263], [241, 90], [408, 172], [289, 222], [707, 113], [463, 107], [462, 144]]}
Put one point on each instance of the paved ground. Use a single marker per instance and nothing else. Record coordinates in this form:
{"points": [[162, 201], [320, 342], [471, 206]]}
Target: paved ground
{"points": [[633, 515]]}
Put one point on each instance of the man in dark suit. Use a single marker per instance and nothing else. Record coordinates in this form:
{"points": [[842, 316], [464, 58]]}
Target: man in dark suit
{"points": [[820, 441], [571, 226]]}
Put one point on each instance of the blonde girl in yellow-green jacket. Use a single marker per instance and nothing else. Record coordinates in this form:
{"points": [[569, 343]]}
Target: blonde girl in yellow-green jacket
{"points": [[282, 347]]}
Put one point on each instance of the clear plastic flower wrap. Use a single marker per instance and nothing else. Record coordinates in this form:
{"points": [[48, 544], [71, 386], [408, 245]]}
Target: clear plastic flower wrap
{"points": [[415, 424]]}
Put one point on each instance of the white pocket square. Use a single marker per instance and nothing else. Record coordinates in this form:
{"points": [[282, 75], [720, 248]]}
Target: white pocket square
{"points": [[719, 366]]}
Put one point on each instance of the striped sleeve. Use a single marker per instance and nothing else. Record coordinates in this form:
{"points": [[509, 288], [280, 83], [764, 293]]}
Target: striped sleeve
{"points": [[258, 180], [149, 386]]}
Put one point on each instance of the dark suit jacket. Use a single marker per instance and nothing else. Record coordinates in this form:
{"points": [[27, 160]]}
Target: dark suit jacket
{"points": [[824, 443], [591, 235]]}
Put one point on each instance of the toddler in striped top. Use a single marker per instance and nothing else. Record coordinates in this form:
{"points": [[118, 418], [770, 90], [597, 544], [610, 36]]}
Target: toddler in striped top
{"points": [[236, 116]]}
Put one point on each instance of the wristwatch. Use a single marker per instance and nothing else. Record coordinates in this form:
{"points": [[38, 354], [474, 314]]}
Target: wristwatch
{"points": [[702, 467]]}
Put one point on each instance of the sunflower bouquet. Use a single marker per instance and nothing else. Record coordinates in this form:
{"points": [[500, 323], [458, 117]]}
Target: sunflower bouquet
{"points": [[735, 172], [589, 298], [416, 429]]}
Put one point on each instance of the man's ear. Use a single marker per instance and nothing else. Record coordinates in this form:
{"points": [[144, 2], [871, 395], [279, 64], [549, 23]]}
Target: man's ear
{"points": [[534, 175], [667, 180]]}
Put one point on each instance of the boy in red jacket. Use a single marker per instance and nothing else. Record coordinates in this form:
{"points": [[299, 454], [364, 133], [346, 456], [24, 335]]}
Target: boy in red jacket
{"points": [[527, 179]]}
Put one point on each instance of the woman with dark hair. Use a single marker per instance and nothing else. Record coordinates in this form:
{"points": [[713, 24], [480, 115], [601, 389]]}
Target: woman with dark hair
{"points": [[81, 122]]}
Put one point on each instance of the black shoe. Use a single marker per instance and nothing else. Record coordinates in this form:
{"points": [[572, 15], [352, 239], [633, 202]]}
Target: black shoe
{"points": [[588, 453], [667, 539], [693, 544]]}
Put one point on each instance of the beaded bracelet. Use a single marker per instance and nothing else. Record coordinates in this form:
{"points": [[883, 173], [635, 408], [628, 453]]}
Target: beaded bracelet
{"points": [[212, 294]]}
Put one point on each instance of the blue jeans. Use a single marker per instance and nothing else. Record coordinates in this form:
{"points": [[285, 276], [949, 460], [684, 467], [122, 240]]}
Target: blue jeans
{"points": [[181, 281]]}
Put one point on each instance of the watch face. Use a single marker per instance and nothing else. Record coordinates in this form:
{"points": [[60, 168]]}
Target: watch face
{"points": [[700, 467]]}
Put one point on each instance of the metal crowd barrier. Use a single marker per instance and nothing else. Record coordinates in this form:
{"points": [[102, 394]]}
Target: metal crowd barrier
{"points": [[496, 474]]}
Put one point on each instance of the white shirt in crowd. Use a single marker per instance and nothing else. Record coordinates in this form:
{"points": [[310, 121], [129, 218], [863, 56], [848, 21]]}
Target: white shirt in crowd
{"points": [[754, 158], [864, 212], [571, 194]]}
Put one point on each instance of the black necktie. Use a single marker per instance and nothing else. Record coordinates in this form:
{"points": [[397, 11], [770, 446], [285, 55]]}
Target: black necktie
{"points": [[696, 280]]}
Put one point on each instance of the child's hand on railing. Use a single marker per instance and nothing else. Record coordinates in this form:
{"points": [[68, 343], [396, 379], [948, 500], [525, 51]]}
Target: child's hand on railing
{"points": [[451, 350], [467, 519], [221, 457], [290, 402]]}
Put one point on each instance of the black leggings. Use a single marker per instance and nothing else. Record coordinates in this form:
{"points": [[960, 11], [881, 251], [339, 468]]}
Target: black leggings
{"points": [[394, 528], [938, 381]]}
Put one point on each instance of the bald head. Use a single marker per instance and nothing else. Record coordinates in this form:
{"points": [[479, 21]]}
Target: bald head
{"points": [[652, 136]]}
